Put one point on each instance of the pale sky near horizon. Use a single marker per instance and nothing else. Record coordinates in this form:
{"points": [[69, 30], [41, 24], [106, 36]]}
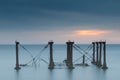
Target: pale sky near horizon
{"points": [[38, 21]]}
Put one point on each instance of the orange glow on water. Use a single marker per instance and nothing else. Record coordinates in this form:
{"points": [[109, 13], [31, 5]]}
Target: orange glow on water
{"points": [[90, 32]]}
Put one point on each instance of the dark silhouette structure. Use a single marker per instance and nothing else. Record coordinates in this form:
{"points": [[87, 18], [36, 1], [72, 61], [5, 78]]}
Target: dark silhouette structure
{"points": [[100, 50], [104, 57], [97, 52], [51, 63], [100, 54], [83, 59], [93, 60], [69, 62], [17, 56]]}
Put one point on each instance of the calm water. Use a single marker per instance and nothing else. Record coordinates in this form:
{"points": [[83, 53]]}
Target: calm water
{"points": [[41, 71]]}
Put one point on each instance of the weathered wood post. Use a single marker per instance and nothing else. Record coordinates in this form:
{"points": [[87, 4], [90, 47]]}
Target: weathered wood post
{"points": [[100, 54], [97, 48], [83, 59], [104, 56], [69, 62], [17, 56], [93, 60], [68, 52], [51, 63]]}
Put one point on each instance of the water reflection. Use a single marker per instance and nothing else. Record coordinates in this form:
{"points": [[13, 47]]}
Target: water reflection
{"points": [[17, 75], [42, 72], [99, 73], [104, 74], [51, 74], [69, 74]]}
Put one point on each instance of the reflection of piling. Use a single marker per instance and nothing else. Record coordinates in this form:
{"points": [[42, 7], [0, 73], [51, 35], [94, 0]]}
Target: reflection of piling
{"points": [[104, 56], [97, 48], [100, 54], [93, 60], [17, 56], [51, 63], [69, 54]]}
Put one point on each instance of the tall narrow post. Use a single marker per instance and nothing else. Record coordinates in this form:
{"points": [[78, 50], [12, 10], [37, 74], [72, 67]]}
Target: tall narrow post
{"points": [[83, 59], [51, 63], [69, 54], [17, 56], [100, 54], [93, 60], [104, 56], [97, 47]]}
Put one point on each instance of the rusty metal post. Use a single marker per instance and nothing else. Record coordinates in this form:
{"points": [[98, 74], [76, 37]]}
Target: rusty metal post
{"points": [[17, 56]]}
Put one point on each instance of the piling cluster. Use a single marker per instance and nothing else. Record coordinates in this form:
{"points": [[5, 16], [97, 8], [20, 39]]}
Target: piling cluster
{"points": [[99, 51], [99, 55]]}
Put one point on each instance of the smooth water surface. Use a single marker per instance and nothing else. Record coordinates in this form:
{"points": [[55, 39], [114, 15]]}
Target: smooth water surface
{"points": [[40, 71]]}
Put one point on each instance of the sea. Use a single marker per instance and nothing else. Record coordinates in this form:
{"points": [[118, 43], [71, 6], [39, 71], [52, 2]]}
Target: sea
{"points": [[34, 61]]}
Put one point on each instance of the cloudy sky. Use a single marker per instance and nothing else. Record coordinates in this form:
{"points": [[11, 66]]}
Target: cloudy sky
{"points": [[38, 21]]}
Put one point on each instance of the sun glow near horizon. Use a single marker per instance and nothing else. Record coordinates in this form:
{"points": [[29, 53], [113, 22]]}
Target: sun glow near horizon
{"points": [[91, 32]]}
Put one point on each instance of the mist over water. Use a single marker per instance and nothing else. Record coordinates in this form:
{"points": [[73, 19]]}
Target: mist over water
{"points": [[41, 71]]}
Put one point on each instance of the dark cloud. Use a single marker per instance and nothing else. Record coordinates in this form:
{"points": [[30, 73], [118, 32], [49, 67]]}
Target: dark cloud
{"points": [[58, 14], [104, 7]]}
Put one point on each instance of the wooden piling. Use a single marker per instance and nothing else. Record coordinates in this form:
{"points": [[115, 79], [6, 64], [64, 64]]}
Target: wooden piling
{"points": [[17, 56], [104, 56], [68, 52], [69, 62], [51, 62], [100, 54], [97, 52], [93, 59], [83, 59]]}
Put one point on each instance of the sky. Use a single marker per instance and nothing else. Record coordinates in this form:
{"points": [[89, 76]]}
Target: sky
{"points": [[39, 21]]}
